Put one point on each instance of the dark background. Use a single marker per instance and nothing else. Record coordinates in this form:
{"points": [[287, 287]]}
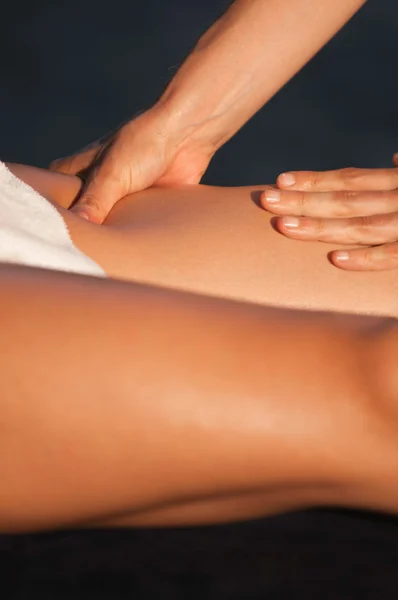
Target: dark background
{"points": [[70, 71]]}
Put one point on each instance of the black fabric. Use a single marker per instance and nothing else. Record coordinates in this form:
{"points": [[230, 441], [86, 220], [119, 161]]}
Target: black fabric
{"points": [[69, 72], [333, 555]]}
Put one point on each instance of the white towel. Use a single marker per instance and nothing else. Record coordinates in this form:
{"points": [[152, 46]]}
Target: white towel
{"points": [[33, 232]]}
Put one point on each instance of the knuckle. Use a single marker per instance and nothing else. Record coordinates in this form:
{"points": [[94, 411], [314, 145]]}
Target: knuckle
{"points": [[302, 201], [314, 179], [364, 223], [383, 256], [350, 176], [391, 252], [342, 203], [348, 195], [319, 226], [308, 180], [360, 227], [90, 201], [384, 220], [61, 165], [348, 173]]}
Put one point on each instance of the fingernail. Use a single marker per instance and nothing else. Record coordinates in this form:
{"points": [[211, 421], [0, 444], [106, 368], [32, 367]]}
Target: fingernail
{"points": [[341, 255], [291, 222], [272, 196], [287, 179]]}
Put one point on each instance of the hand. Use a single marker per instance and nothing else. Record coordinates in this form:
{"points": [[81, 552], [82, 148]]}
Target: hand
{"points": [[146, 151], [348, 206]]}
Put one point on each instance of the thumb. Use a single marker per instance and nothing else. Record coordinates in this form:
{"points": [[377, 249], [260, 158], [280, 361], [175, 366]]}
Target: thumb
{"points": [[98, 196]]}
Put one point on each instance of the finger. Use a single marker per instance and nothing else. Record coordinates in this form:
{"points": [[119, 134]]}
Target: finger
{"points": [[378, 229], [329, 204], [340, 180], [101, 192], [71, 165], [395, 159], [377, 258]]}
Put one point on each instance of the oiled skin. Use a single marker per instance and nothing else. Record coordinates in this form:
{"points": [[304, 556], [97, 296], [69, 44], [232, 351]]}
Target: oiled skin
{"points": [[216, 241], [185, 409]]}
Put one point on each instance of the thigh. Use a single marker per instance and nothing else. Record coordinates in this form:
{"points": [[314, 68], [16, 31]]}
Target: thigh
{"points": [[215, 241]]}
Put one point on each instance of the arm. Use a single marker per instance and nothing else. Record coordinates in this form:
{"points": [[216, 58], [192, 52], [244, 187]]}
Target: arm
{"points": [[244, 59], [119, 398], [237, 66]]}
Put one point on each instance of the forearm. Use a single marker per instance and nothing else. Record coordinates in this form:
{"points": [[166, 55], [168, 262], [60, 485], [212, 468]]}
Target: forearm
{"points": [[244, 59], [118, 398]]}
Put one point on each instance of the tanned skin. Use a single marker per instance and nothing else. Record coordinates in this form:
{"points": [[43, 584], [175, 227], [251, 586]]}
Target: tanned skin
{"points": [[131, 404]]}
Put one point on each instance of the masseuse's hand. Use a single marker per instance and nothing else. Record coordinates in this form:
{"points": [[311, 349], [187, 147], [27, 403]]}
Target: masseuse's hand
{"points": [[235, 68], [146, 151], [349, 206]]}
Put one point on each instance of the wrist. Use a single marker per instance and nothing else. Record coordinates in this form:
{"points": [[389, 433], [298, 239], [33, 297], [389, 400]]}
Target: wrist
{"points": [[203, 101], [182, 136], [186, 123], [216, 90]]}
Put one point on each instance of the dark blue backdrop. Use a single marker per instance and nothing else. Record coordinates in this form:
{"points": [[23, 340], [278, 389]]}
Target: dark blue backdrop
{"points": [[73, 70], [69, 72]]}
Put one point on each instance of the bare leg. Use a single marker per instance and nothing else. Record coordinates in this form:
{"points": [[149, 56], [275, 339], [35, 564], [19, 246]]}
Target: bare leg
{"points": [[128, 399], [63, 189], [218, 242]]}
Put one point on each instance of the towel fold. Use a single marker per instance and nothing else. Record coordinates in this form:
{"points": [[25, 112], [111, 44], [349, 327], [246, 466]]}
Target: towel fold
{"points": [[33, 232]]}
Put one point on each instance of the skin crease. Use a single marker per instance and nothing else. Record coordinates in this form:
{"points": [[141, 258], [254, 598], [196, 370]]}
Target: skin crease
{"points": [[264, 459]]}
